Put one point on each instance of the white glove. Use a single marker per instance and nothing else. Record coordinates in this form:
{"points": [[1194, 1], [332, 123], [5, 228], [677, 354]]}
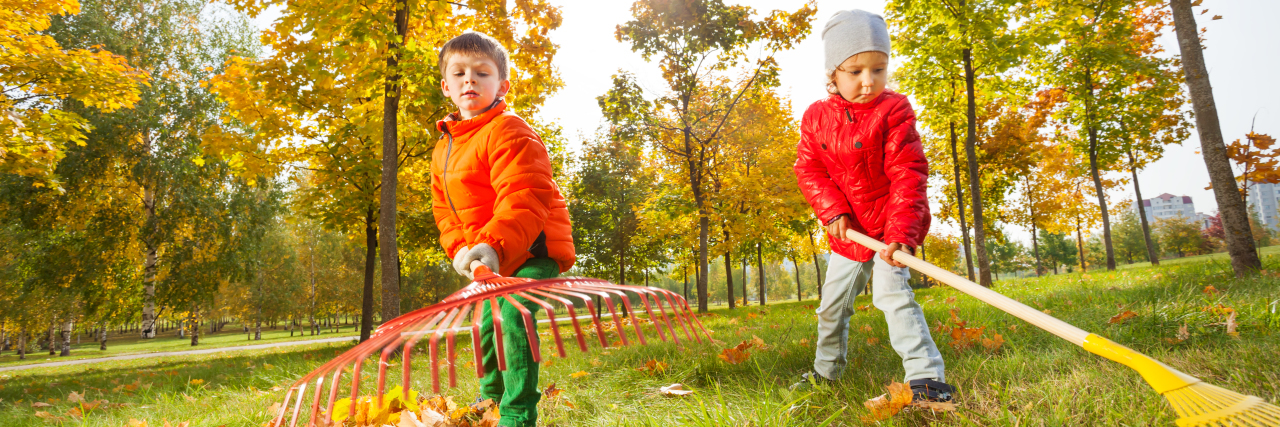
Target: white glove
{"points": [[460, 266], [483, 253]]}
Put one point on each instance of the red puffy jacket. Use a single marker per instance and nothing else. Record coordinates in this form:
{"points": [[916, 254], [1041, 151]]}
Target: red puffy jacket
{"points": [[866, 161]]}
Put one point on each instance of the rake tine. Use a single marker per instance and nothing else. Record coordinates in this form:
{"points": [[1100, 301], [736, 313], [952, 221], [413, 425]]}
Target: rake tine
{"points": [[293, 419], [435, 358], [626, 304], [355, 385], [658, 302], [279, 421], [582, 343], [333, 396], [680, 318], [453, 332], [551, 317], [382, 368], [315, 402], [408, 347], [497, 333], [608, 302], [475, 338], [591, 310], [643, 294], [530, 328]]}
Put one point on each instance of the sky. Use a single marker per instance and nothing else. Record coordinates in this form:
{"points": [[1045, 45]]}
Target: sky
{"points": [[1243, 54]]}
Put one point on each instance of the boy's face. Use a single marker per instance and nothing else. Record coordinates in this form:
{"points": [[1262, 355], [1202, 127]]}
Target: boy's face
{"points": [[472, 82], [862, 77]]}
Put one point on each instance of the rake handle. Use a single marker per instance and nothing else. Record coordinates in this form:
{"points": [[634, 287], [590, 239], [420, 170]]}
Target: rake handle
{"points": [[1035, 317]]}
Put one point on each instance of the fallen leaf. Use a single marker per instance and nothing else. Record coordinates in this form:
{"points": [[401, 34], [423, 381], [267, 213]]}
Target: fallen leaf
{"points": [[274, 409], [863, 308], [872, 340], [1183, 334], [887, 405], [866, 328], [752, 315], [1120, 318], [1210, 290], [133, 422], [935, 406], [993, 344], [1231, 325], [676, 389], [40, 405], [197, 381], [48, 416], [653, 367], [951, 300], [758, 343], [1216, 17], [596, 362], [579, 374], [804, 342], [75, 397], [410, 419]]}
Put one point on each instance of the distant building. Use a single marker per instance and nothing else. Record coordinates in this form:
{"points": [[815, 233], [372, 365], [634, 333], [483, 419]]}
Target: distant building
{"points": [[1204, 219], [1167, 206], [1263, 199]]}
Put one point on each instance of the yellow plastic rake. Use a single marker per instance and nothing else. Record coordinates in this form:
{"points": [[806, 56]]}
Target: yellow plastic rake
{"points": [[1197, 403]]}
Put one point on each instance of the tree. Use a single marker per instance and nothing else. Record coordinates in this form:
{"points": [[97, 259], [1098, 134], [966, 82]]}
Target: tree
{"points": [[978, 37], [38, 79], [695, 42], [1058, 250], [311, 103], [1257, 159], [1180, 235], [1130, 243], [1232, 209]]}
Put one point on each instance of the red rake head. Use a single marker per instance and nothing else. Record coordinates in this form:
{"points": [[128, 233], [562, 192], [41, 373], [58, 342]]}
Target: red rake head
{"points": [[450, 316]]}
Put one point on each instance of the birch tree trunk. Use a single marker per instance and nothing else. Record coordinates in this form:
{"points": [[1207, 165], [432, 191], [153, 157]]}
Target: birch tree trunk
{"points": [[66, 338]]}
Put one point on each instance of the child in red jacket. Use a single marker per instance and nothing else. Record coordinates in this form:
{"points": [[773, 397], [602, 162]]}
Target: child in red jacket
{"points": [[862, 167]]}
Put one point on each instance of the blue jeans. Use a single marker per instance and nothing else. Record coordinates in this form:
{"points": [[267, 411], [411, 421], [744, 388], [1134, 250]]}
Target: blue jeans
{"points": [[908, 331]]}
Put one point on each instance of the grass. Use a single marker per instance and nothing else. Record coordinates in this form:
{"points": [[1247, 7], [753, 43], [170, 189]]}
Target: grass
{"points": [[1033, 379], [131, 343]]}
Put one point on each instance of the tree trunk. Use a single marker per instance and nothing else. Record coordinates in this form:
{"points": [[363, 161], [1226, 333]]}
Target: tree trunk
{"points": [[728, 273], [66, 338], [744, 281], [975, 184], [1080, 244], [1035, 246], [795, 267], [387, 245], [760, 273], [102, 339], [1231, 208], [1093, 169], [195, 327], [370, 255], [311, 309], [50, 341], [1142, 214], [22, 343], [817, 268], [684, 271], [964, 228]]}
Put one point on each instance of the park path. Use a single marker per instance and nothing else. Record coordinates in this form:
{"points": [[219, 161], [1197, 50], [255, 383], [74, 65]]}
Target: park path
{"points": [[173, 353]]}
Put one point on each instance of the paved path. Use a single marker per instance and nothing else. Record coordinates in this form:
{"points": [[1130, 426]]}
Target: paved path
{"points": [[173, 353]]}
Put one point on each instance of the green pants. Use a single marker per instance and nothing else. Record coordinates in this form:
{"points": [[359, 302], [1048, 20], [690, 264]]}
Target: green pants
{"points": [[515, 389]]}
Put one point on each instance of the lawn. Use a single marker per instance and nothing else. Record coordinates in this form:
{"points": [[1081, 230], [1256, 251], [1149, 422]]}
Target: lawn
{"points": [[1033, 378], [131, 343]]}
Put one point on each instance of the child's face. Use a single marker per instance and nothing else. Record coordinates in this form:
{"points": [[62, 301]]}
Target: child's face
{"points": [[862, 77], [472, 82]]}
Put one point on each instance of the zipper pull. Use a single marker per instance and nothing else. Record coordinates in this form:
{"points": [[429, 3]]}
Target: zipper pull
{"points": [[848, 115]]}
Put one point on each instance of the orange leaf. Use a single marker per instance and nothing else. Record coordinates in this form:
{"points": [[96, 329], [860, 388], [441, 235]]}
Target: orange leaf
{"points": [[1210, 290], [872, 340], [993, 344], [1120, 318], [579, 374], [653, 367], [887, 405]]}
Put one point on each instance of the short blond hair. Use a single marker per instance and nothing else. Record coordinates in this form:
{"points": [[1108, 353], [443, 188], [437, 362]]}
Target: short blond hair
{"points": [[476, 44]]}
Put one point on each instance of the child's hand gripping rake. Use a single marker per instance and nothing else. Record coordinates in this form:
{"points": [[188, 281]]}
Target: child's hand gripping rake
{"points": [[462, 310], [1198, 403]]}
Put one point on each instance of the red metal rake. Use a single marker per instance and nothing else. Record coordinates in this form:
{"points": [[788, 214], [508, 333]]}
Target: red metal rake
{"points": [[450, 316]]}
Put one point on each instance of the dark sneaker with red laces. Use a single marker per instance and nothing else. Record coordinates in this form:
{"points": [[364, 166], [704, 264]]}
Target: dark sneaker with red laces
{"points": [[930, 390]]}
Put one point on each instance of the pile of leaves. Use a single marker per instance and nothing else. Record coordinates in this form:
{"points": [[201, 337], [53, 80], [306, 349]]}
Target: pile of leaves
{"points": [[898, 398]]}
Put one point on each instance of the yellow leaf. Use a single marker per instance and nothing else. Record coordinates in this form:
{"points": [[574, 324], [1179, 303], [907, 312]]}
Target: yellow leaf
{"points": [[197, 381], [887, 405], [579, 374]]}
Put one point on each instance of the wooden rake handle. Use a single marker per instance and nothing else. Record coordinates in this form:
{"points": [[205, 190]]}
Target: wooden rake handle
{"points": [[1022, 311]]}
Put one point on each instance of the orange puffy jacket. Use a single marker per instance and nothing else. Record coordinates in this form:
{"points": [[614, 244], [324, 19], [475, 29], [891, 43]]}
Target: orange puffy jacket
{"points": [[491, 183]]}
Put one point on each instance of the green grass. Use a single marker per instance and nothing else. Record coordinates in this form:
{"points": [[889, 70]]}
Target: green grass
{"points": [[131, 343], [1033, 379]]}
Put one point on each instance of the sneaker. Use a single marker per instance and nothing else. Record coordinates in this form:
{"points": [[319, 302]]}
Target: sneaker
{"points": [[930, 390], [809, 380]]}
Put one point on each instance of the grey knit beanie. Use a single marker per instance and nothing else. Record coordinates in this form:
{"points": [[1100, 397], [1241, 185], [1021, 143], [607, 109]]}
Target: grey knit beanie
{"points": [[850, 32]]}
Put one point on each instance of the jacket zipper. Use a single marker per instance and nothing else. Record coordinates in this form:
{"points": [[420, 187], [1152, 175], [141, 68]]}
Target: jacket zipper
{"points": [[444, 176], [848, 115]]}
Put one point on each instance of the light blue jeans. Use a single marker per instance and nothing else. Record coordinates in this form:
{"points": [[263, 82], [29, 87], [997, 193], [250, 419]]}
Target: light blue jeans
{"points": [[891, 293]]}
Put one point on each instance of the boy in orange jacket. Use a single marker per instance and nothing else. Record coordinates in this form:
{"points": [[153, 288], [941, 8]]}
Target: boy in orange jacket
{"points": [[495, 202]]}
